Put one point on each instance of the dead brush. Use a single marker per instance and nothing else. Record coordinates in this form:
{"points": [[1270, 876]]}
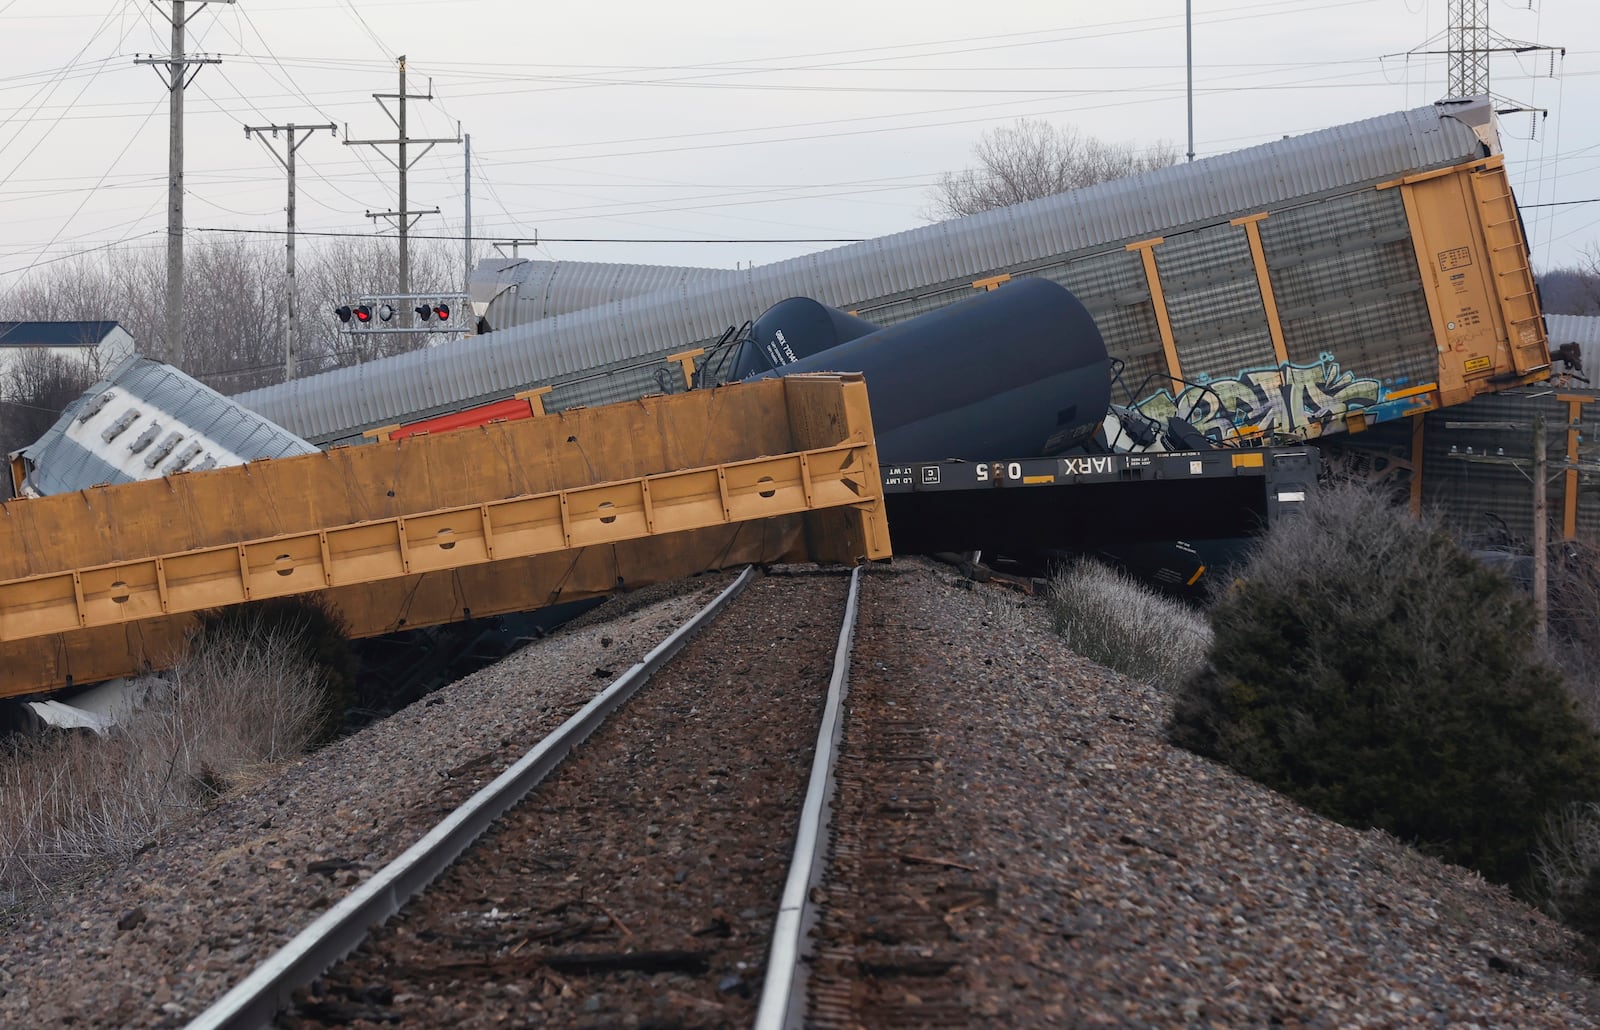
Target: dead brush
{"points": [[1574, 638], [1112, 619], [237, 705]]}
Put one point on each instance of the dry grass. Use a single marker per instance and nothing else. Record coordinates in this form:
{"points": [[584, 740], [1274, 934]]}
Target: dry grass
{"points": [[1114, 620], [237, 705], [1574, 639], [1567, 856]]}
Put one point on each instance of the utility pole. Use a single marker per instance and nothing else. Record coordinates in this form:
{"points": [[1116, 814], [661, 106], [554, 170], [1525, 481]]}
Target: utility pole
{"points": [[177, 77], [515, 245], [1539, 479], [286, 159], [403, 217], [466, 190], [1188, 63], [1541, 540]]}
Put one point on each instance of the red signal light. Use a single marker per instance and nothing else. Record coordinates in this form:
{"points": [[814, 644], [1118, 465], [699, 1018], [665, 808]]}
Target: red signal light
{"points": [[363, 314], [443, 311]]}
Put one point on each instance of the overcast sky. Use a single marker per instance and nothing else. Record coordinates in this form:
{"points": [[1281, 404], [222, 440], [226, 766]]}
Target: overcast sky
{"points": [[627, 122]]}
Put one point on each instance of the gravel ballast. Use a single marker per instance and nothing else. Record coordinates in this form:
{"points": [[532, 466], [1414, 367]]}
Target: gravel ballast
{"points": [[1134, 883]]}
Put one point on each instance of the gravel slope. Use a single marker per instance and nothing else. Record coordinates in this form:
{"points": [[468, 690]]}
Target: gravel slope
{"points": [[1153, 887]]}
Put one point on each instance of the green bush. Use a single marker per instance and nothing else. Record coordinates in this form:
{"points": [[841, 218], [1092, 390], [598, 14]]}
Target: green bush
{"points": [[1112, 619], [1368, 667]]}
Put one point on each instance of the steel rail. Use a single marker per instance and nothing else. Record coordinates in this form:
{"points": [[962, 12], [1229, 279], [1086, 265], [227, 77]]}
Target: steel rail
{"points": [[782, 994], [256, 1000]]}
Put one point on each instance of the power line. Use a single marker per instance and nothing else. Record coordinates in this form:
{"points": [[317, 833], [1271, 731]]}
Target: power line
{"points": [[542, 239], [80, 253]]}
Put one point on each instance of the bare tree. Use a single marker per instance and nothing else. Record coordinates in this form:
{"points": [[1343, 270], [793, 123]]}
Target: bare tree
{"points": [[235, 302], [1573, 290], [34, 389], [341, 270], [1033, 159]]}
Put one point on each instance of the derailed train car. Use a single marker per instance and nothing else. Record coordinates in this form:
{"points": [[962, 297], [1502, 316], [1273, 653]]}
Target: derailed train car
{"points": [[1019, 372], [1308, 286]]}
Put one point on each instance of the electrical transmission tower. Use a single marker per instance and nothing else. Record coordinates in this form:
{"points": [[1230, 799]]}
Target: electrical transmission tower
{"points": [[404, 217], [1468, 43], [177, 77]]}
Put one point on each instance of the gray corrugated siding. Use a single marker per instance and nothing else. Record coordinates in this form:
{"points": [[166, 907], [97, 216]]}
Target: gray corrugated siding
{"points": [[520, 291], [1466, 472], [884, 280], [1584, 330], [1345, 277], [1214, 302], [1469, 490]]}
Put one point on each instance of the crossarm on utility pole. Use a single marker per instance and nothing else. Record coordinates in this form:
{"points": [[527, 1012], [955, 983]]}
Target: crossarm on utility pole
{"points": [[402, 163], [176, 78]]}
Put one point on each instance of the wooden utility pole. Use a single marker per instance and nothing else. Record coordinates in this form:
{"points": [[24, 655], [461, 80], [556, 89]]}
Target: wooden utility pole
{"points": [[404, 216], [177, 77], [1541, 539], [291, 326]]}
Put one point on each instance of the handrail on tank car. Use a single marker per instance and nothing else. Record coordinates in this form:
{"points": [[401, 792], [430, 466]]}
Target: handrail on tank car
{"points": [[724, 349], [1133, 395]]}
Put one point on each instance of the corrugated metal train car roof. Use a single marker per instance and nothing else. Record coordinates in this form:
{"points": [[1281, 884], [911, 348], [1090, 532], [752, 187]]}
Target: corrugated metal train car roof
{"points": [[515, 291], [82, 450], [338, 405]]}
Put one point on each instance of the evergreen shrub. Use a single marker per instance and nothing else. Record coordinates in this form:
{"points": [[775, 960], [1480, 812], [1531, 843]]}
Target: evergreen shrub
{"points": [[1368, 667]]}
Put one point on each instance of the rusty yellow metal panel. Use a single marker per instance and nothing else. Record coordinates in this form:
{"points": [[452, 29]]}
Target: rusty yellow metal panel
{"points": [[1480, 292], [368, 609], [851, 534], [1510, 262], [347, 485], [363, 526], [204, 579]]}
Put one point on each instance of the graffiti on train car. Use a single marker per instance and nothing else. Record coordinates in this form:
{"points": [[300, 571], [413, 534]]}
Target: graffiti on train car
{"points": [[1283, 400]]}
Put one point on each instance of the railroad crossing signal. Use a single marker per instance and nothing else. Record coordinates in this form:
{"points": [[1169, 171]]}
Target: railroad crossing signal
{"points": [[376, 313], [361, 312]]}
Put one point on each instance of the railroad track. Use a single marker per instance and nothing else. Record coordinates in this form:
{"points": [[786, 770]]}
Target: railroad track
{"points": [[656, 874]]}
